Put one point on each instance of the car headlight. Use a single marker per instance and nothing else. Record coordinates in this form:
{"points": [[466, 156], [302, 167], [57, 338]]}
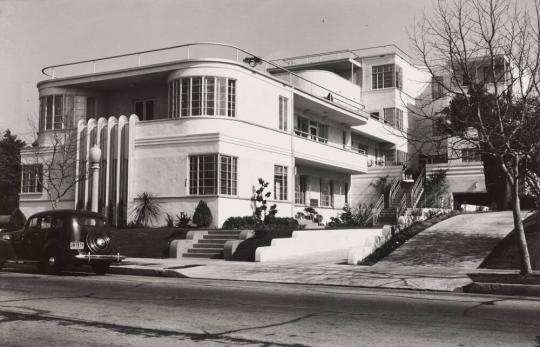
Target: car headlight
{"points": [[5, 237], [100, 242]]}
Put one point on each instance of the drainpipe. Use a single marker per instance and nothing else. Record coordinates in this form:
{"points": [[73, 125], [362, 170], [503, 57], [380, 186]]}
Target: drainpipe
{"points": [[293, 164]]}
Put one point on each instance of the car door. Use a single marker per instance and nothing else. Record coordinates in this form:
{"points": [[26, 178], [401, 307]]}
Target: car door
{"points": [[38, 236], [21, 239]]}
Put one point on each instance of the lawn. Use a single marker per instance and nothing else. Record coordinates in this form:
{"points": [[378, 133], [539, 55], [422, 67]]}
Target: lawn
{"points": [[506, 256]]}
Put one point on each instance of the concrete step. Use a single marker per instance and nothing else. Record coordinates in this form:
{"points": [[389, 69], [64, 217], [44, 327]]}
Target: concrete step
{"points": [[221, 237], [212, 241], [202, 255], [224, 232], [209, 245], [204, 250]]}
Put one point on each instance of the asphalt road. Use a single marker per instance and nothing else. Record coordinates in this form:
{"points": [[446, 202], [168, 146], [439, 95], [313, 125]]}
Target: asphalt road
{"points": [[88, 310]]}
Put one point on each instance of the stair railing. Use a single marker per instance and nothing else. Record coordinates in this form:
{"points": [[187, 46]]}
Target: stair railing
{"points": [[393, 190], [417, 189], [376, 211], [402, 205]]}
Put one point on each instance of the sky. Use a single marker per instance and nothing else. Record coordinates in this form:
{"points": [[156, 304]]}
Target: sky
{"points": [[39, 33]]}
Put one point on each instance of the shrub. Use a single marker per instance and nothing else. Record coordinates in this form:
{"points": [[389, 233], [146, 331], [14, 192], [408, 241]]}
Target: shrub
{"points": [[249, 222], [182, 220], [169, 220], [262, 214], [202, 216], [146, 209]]}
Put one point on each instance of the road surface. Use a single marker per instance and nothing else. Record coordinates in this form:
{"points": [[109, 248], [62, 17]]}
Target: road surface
{"points": [[113, 310]]}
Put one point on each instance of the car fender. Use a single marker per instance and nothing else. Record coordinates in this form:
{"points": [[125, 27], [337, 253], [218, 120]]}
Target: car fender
{"points": [[6, 251]]}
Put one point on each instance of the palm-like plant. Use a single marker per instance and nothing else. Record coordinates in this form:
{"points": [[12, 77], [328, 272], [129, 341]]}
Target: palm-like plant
{"points": [[147, 209]]}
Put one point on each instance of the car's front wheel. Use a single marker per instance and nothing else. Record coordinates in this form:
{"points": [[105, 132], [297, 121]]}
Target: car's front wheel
{"points": [[100, 268]]}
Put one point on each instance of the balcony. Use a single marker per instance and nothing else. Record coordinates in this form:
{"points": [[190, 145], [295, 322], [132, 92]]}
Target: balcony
{"points": [[318, 152], [156, 62]]}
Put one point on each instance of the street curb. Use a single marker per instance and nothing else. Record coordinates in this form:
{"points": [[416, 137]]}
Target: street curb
{"points": [[503, 289], [132, 271]]}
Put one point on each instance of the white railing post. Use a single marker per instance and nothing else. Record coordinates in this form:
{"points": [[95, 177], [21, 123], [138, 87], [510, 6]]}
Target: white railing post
{"points": [[139, 60]]}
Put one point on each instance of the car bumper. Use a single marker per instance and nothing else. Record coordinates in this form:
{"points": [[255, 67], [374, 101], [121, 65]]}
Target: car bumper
{"points": [[109, 257]]}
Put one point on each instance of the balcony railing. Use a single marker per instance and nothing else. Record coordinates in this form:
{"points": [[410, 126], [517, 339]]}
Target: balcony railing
{"points": [[356, 54], [324, 141], [199, 50]]}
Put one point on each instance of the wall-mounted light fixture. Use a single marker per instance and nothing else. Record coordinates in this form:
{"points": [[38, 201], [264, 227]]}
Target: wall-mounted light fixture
{"points": [[252, 61]]}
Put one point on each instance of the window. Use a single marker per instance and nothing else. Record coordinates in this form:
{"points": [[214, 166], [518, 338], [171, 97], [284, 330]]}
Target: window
{"points": [[283, 101], [395, 157], [55, 111], [300, 191], [228, 175], [309, 128], [31, 179], [209, 170], [470, 155], [437, 90], [327, 193], [202, 96], [144, 109], [280, 182], [394, 117], [437, 127], [386, 76]]}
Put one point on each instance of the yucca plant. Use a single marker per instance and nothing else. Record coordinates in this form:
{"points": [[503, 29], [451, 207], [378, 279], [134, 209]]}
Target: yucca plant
{"points": [[147, 209]]}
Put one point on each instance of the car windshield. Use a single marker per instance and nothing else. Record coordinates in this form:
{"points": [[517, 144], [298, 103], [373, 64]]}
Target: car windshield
{"points": [[91, 221]]}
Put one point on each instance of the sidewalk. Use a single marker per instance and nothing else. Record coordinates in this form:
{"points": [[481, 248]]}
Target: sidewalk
{"points": [[437, 259]]}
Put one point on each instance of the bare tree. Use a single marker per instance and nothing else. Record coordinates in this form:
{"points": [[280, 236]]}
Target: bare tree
{"points": [[484, 55], [56, 152]]}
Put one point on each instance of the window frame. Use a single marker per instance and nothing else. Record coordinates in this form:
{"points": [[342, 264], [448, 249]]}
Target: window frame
{"points": [[221, 95], [145, 102], [33, 173], [283, 177], [381, 80], [437, 90], [283, 113], [49, 117], [473, 155], [231, 180]]}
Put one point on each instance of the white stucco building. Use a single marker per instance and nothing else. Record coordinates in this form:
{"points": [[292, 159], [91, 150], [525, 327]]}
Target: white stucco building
{"points": [[205, 121]]}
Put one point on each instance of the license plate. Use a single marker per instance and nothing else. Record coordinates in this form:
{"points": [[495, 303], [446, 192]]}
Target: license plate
{"points": [[76, 245]]}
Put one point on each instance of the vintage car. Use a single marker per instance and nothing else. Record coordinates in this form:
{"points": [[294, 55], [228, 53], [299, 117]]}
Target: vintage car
{"points": [[53, 239]]}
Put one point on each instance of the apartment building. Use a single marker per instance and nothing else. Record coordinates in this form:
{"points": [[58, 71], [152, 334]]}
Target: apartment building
{"points": [[206, 121]]}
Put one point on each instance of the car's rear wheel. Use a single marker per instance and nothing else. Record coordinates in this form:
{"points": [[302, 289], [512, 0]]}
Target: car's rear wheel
{"points": [[100, 268], [48, 263]]}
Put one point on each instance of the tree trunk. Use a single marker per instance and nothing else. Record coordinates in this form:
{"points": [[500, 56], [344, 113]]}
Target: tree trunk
{"points": [[525, 260]]}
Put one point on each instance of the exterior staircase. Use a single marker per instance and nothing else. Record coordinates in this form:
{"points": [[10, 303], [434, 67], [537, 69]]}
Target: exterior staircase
{"points": [[400, 194], [212, 244]]}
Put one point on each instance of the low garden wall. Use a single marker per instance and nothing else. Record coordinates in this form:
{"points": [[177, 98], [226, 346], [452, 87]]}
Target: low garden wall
{"points": [[305, 242], [145, 242]]}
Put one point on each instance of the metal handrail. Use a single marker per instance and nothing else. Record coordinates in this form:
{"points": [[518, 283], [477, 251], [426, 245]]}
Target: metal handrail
{"points": [[378, 208], [392, 192], [324, 141], [402, 205], [417, 187], [257, 60]]}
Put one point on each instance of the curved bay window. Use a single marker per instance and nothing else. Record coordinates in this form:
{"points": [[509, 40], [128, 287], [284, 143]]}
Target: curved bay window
{"points": [[202, 96], [62, 111]]}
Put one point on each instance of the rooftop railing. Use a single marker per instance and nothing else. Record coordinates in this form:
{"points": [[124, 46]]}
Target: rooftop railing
{"points": [[356, 54], [190, 51]]}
